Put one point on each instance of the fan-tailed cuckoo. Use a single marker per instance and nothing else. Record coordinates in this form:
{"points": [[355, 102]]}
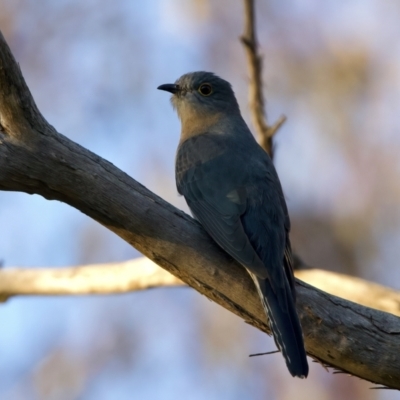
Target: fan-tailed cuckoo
{"points": [[233, 190]]}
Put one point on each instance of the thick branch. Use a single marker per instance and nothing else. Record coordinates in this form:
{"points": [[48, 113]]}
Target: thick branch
{"points": [[34, 158], [256, 97], [141, 273]]}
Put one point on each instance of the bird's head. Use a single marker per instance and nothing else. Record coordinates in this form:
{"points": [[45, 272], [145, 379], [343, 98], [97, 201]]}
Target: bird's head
{"points": [[201, 95]]}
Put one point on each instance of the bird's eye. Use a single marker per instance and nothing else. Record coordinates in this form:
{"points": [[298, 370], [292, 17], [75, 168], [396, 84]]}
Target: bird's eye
{"points": [[205, 89]]}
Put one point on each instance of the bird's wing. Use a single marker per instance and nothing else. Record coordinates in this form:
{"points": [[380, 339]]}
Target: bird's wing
{"points": [[217, 200], [288, 265], [239, 202], [264, 224], [221, 219]]}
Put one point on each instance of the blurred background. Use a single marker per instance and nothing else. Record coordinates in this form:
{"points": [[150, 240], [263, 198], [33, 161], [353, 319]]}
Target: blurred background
{"points": [[332, 67]]}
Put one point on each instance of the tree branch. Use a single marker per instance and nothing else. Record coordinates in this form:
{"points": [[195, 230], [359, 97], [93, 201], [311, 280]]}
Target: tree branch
{"points": [[357, 290], [128, 276], [264, 131], [141, 273], [34, 158]]}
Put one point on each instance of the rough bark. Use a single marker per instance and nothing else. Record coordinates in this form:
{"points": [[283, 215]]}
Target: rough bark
{"points": [[34, 158]]}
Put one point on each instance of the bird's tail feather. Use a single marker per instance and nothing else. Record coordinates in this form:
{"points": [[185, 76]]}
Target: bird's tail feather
{"points": [[285, 326]]}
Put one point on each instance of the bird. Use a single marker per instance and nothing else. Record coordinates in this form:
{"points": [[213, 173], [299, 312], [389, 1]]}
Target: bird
{"points": [[232, 188]]}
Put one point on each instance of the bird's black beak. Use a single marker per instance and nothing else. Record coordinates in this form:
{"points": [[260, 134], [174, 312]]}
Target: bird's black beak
{"points": [[169, 87]]}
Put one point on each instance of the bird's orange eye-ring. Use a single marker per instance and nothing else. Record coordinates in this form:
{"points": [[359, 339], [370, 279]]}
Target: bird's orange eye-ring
{"points": [[205, 89]]}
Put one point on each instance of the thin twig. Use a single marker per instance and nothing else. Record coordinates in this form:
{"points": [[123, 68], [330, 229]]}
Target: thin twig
{"points": [[264, 131], [322, 364], [263, 354], [381, 387]]}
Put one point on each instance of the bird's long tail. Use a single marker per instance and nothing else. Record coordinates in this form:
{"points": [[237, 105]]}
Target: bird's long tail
{"points": [[285, 325]]}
